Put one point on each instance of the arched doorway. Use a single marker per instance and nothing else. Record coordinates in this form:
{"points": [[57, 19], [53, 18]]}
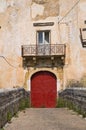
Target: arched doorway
{"points": [[43, 89]]}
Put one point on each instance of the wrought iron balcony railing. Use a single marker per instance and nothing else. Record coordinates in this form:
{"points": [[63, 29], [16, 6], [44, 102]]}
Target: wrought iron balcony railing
{"points": [[43, 50]]}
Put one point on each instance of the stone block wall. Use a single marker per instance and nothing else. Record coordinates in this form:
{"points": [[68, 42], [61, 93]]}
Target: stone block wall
{"points": [[9, 102], [77, 96]]}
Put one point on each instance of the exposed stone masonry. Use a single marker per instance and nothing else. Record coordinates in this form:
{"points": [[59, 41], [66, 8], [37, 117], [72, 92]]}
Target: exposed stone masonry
{"points": [[77, 96], [9, 102]]}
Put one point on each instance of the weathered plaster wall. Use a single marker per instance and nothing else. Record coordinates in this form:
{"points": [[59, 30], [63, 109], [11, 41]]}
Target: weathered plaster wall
{"points": [[42, 9], [75, 15], [16, 29], [82, 24], [15, 23]]}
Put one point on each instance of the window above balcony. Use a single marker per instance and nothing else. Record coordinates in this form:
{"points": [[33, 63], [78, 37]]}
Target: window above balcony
{"points": [[43, 37]]}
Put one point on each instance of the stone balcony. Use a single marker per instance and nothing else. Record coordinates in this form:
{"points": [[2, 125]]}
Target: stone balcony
{"points": [[43, 50], [43, 55]]}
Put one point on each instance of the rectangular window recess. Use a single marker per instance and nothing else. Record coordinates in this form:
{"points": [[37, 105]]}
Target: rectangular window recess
{"points": [[43, 37], [44, 24]]}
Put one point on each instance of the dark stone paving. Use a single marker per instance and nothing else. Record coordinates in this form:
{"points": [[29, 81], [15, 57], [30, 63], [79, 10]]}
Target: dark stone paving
{"points": [[47, 119]]}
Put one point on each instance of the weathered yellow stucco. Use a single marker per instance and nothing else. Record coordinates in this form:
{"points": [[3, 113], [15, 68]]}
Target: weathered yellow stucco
{"points": [[57, 71], [16, 29]]}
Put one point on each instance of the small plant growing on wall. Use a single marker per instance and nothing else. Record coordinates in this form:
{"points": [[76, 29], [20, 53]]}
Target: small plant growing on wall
{"points": [[9, 116], [74, 84], [83, 80], [62, 103], [77, 83], [2, 129], [24, 103]]}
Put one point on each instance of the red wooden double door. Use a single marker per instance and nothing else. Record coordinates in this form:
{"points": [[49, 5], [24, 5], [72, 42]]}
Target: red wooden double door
{"points": [[43, 90]]}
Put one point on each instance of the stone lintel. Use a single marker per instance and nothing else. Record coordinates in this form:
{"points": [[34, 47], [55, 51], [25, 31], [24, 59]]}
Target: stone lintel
{"points": [[44, 24]]}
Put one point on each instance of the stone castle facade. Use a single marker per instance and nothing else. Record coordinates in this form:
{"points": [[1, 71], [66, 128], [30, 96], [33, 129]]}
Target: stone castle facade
{"points": [[54, 24]]}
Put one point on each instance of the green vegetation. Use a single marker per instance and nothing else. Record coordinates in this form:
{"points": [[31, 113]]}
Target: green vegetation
{"points": [[1, 128], [74, 84], [83, 80], [77, 83], [62, 103], [24, 103], [9, 116]]}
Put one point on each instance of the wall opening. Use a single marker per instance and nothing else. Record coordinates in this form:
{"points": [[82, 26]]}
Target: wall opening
{"points": [[43, 89]]}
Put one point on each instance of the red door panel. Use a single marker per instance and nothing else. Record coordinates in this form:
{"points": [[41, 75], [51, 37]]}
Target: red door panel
{"points": [[43, 90]]}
